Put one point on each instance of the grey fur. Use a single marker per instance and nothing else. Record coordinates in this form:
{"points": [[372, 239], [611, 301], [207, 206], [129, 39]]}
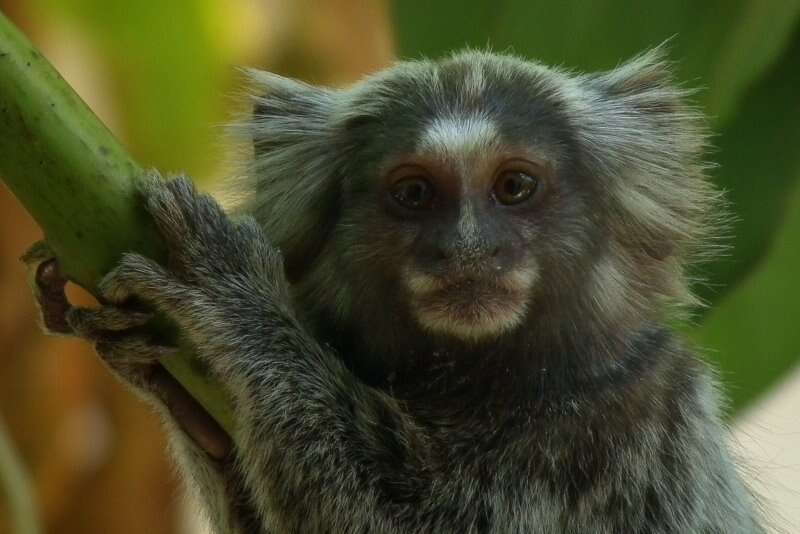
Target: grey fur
{"points": [[586, 415]]}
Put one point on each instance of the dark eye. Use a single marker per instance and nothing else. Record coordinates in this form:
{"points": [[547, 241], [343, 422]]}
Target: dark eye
{"points": [[513, 187], [414, 193]]}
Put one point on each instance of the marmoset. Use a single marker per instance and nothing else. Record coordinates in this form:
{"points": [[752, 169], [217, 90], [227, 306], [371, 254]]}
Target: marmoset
{"points": [[443, 307]]}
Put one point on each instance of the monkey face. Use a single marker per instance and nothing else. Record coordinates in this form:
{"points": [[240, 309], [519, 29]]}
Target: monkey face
{"points": [[481, 194], [469, 209], [467, 271]]}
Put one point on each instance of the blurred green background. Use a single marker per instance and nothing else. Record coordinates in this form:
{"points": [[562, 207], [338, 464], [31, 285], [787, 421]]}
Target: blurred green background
{"points": [[161, 74]]}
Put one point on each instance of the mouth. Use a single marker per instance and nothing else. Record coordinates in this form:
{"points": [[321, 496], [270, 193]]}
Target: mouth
{"points": [[470, 308]]}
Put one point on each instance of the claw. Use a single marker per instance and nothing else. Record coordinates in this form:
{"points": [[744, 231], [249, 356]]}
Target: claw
{"points": [[47, 283]]}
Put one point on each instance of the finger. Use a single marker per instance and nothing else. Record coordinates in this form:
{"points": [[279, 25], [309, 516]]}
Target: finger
{"points": [[252, 243], [161, 204], [193, 224], [190, 416], [211, 231], [132, 353], [48, 285], [95, 323], [37, 253], [140, 277]]}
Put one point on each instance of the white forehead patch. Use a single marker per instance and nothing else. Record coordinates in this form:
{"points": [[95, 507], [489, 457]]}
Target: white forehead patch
{"points": [[454, 137]]}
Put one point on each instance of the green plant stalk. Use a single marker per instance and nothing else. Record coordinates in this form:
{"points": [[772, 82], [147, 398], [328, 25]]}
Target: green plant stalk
{"points": [[79, 184]]}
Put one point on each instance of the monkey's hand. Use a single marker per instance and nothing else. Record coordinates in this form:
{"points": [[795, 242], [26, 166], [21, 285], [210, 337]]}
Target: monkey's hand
{"points": [[116, 329], [222, 278], [121, 336], [317, 450], [125, 341]]}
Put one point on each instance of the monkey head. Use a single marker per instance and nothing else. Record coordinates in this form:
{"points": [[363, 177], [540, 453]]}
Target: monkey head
{"points": [[482, 194]]}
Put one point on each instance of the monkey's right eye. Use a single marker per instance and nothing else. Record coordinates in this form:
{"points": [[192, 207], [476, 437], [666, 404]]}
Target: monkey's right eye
{"points": [[413, 192]]}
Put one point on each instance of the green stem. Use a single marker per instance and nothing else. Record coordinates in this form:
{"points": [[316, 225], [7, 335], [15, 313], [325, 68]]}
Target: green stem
{"points": [[78, 183]]}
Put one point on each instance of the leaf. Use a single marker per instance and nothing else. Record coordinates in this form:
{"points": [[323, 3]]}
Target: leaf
{"points": [[758, 167], [597, 35], [754, 331], [753, 44], [723, 44]]}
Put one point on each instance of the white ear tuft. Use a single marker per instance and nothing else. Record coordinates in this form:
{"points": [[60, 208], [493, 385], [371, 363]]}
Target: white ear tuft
{"points": [[290, 184]]}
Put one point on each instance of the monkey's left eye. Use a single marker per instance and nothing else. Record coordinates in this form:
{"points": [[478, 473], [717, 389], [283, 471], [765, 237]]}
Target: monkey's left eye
{"points": [[513, 187], [414, 192]]}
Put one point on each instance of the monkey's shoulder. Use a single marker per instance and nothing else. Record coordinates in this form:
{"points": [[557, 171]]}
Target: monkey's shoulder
{"points": [[643, 450], [657, 389]]}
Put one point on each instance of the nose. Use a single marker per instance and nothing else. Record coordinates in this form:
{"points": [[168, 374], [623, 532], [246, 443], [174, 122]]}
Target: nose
{"points": [[468, 238], [460, 250]]}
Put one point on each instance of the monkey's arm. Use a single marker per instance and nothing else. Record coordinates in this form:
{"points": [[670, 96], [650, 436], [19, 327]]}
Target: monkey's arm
{"points": [[323, 452], [316, 449]]}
